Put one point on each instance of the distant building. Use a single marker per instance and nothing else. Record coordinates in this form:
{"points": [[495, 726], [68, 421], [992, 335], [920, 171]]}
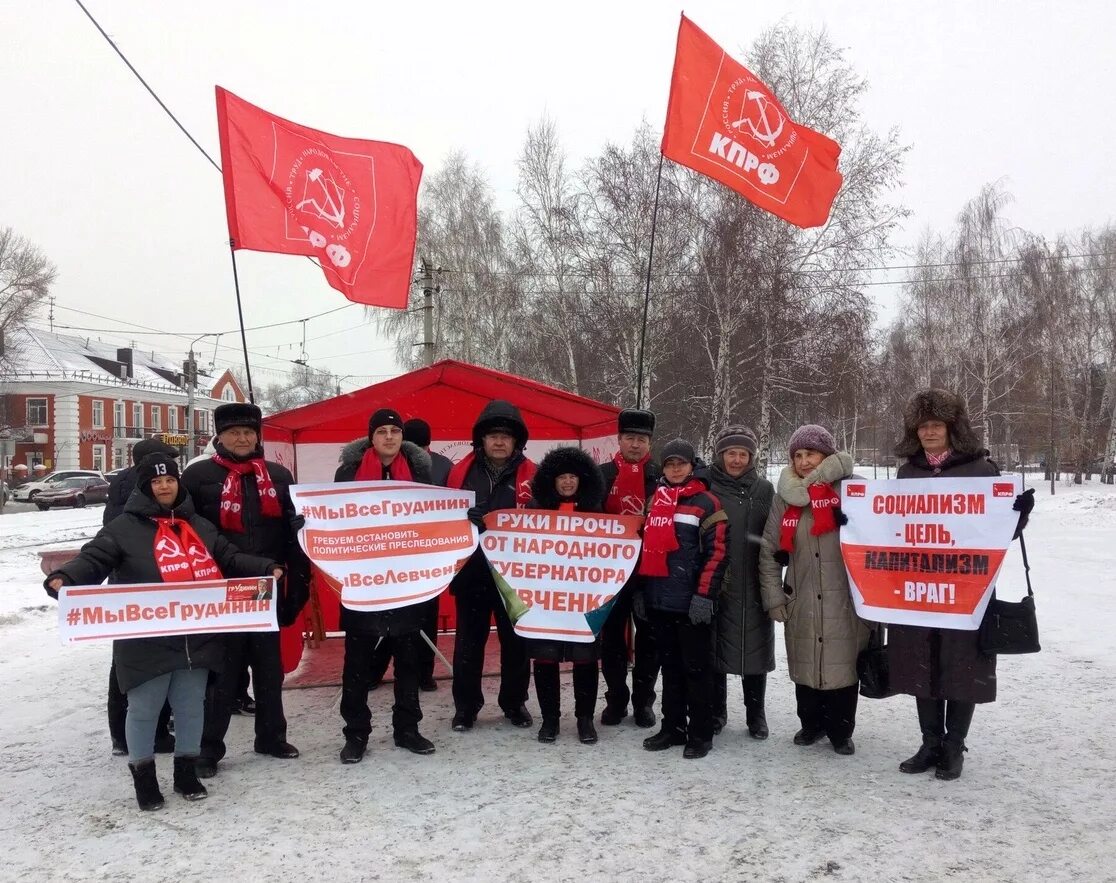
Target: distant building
{"points": [[74, 403]]}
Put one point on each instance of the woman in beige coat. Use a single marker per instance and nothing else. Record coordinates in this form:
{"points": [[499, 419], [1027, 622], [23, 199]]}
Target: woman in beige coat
{"points": [[823, 632]]}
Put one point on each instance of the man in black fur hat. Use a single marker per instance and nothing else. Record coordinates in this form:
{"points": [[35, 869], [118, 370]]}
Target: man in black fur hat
{"points": [[500, 474], [248, 499], [382, 456], [630, 478]]}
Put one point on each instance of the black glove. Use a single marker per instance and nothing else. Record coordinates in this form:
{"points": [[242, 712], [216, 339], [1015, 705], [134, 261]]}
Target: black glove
{"points": [[298, 522], [782, 557], [701, 610], [1024, 502], [476, 515], [839, 516]]}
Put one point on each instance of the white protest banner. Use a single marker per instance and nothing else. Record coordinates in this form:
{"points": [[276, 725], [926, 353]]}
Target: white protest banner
{"points": [[558, 571], [926, 551], [386, 544], [150, 610]]}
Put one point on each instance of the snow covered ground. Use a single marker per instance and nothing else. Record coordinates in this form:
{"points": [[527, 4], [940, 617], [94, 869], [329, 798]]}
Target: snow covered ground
{"points": [[1036, 801]]}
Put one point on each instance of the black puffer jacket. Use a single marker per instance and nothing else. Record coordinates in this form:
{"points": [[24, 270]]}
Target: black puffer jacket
{"points": [[401, 620], [745, 634], [124, 552], [273, 538], [699, 563], [120, 489], [589, 498]]}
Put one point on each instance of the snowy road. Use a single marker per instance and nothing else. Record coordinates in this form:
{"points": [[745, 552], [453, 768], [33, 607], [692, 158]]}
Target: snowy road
{"points": [[1036, 801]]}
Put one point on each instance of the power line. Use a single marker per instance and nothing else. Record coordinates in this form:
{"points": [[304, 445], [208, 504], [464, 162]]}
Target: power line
{"points": [[579, 274], [166, 109]]}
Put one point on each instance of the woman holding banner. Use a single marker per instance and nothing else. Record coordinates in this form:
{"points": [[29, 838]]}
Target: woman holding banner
{"points": [[159, 538], [823, 633], [745, 642], [567, 480], [942, 668]]}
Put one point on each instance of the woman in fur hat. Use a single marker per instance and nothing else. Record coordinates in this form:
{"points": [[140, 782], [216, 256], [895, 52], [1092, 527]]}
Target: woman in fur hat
{"points": [[823, 633], [942, 668], [567, 480]]}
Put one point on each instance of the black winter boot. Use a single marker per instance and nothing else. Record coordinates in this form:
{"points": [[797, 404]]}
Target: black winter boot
{"points": [[667, 737], [755, 689], [931, 720], [586, 679], [548, 732], [586, 732], [186, 779], [148, 795], [959, 715]]}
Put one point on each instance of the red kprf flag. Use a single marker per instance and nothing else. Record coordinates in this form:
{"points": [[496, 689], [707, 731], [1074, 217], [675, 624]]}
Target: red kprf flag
{"points": [[350, 203], [723, 122]]}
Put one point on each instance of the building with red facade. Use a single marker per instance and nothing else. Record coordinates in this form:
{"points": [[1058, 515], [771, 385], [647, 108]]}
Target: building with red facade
{"points": [[74, 403]]}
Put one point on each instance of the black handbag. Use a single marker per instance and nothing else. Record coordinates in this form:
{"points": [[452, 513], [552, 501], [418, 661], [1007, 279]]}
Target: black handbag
{"points": [[874, 668], [1011, 626]]}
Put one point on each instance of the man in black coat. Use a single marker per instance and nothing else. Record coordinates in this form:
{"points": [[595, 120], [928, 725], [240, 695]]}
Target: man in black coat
{"points": [[248, 499], [383, 456], [499, 473], [630, 478], [121, 486]]}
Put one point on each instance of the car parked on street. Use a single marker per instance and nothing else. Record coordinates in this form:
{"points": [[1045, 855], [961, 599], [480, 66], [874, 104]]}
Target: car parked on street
{"points": [[29, 491], [75, 492]]}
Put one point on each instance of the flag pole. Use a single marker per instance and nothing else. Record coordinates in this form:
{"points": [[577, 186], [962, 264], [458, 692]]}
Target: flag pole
{"points": [[240, 316], [647, 286]]}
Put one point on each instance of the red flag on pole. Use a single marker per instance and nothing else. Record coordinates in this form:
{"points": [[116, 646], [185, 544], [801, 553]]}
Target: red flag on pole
{"points": [[725, 123], [350, 203]]}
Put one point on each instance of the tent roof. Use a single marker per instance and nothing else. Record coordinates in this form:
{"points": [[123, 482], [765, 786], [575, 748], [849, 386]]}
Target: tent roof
{"points": [[448, 395]]}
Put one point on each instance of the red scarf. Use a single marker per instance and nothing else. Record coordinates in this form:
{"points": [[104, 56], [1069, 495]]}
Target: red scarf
{"points": [[232, 493], [659, 535], [625, 497], [823, 500], [180, 553], [371, 469], [523, 475]]}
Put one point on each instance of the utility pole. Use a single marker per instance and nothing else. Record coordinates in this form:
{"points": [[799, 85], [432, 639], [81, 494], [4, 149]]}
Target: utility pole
{"points": [[427, 280], [190, 368]]}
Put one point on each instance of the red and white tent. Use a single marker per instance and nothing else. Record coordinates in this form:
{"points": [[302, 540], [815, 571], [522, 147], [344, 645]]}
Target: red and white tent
{"points": [[448, 395]]}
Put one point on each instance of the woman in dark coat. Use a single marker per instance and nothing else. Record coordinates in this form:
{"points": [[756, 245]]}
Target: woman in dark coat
{"points": [[942, 668], [745, 635], [567, 480], [159, 518]]}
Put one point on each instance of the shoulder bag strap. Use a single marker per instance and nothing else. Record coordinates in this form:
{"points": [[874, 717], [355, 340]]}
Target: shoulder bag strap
{"points": [[1026, 564]]}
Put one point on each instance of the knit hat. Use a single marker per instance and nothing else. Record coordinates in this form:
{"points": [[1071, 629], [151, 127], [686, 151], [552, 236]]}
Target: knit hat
{"points": [[735, 435], [417, 432], [678, 448], [155, 465], [635, 420], [151, 446], [812, 437], [384, 417], [238, 414]]}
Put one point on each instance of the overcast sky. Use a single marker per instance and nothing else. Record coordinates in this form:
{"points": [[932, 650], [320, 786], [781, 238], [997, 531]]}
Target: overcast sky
{"points": [[133, 215]]}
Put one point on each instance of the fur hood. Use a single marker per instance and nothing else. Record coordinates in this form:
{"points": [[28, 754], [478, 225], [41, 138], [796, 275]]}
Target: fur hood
{"points": [[937, 404], [590, 489], [417, 458], [832, 469]]}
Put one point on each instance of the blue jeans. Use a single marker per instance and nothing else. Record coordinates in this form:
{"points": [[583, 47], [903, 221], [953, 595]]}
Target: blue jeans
{"points": [[185, 688]]}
